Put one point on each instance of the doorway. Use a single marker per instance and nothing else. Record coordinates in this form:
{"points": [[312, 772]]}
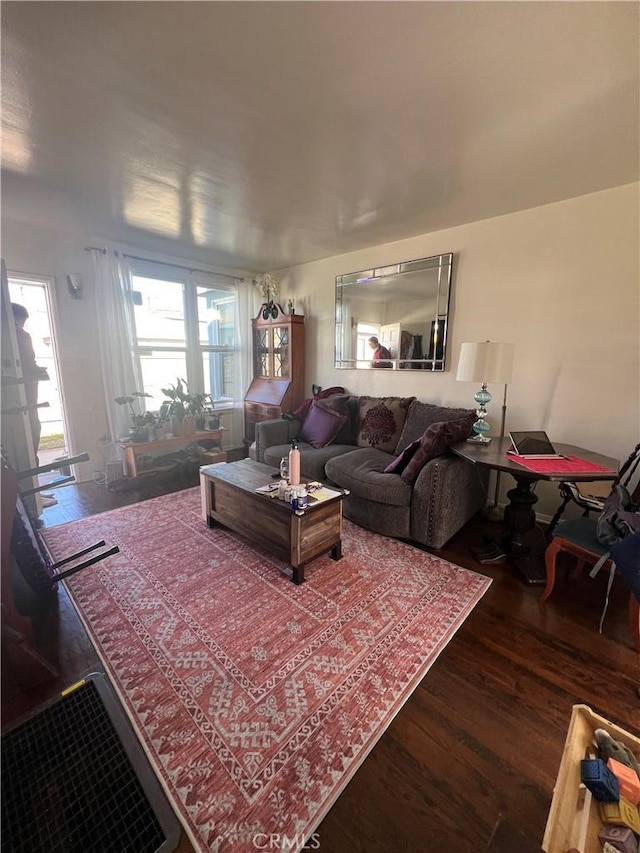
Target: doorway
{"points": [[35, 293]]}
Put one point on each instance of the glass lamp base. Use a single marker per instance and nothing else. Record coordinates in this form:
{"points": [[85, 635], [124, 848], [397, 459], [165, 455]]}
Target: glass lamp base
{"points": [[479, 439]]}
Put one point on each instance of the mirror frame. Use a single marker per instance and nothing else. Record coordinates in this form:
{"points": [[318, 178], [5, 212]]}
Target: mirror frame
{"points": [[435, 340]]}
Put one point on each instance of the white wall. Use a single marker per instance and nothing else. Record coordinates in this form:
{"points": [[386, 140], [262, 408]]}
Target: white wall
{"points": [[560, 281]]}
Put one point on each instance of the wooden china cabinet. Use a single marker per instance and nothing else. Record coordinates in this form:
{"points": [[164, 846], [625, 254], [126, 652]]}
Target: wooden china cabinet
{"points": [[278, 367]]}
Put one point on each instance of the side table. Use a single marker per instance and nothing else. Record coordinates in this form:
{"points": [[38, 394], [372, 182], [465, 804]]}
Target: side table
{"points": [[519, 516]]}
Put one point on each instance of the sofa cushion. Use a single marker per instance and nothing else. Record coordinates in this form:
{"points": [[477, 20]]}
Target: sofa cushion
{"points": [[343, 404], [312, 459], [381, 420], [435, 441], [362, 472], [321, 426], [420, 417]]}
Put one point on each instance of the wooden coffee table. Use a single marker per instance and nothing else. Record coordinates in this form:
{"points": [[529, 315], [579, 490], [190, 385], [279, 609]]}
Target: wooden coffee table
{"points": [[228, 492]]}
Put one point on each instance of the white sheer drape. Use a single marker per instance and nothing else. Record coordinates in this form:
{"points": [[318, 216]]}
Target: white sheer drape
{"points": [[244, 314], [116, 336]]}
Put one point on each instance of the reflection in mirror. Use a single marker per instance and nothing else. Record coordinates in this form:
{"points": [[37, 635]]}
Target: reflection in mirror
{"points": [[405, 306]]}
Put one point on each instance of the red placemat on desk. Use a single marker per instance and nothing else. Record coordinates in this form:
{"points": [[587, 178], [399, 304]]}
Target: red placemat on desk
{"points": [[569, 465]]}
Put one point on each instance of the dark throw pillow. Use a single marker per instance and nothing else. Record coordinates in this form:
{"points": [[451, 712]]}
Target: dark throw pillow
{"points": [[305, 406], [400, 462], [434, 442], [343, 404], [321, 426], [420, 416]]}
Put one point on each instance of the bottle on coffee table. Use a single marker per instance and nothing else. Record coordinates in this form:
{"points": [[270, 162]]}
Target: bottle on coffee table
{"points": [[294, 464]]}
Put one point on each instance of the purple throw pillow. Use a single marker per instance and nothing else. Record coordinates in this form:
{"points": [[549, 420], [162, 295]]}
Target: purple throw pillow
{"points": [[400, 462], [347, 405], [321, 426], [434, 442]]}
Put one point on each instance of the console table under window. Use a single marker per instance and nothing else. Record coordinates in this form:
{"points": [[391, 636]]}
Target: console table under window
{"points": [[146, 457]]}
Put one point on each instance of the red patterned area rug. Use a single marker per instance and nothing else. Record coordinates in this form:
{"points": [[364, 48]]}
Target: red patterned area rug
{"points": [[256, 699]]}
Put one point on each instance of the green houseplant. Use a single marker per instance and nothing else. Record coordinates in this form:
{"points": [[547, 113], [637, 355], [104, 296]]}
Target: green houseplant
{"points": [[174, 408], [140, 421], [198, 405], [181, 404]]}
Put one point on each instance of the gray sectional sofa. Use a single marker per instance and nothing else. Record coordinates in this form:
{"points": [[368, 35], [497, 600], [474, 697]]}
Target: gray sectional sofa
{"points": [[429, 507]]}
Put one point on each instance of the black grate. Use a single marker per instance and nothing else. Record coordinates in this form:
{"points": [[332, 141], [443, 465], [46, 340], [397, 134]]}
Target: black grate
{"points": [[68, 784]]}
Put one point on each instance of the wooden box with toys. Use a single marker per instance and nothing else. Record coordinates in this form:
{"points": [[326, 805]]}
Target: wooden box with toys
{"points": [[597, 791]]}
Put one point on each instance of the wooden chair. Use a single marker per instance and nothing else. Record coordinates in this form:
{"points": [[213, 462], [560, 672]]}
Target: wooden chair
{"points": [[577, 537], [590, 497]]}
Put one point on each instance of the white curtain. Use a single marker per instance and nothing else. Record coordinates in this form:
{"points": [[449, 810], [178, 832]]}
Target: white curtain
{"points": [[116, 336], [244, 315]]}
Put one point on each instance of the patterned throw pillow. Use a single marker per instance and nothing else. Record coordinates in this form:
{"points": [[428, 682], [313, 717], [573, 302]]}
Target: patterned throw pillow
{"points": [[435, 441], [321, 426], [380, 421]]}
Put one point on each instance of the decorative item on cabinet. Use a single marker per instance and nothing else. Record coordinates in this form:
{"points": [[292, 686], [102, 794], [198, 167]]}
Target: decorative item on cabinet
{"points": [[269, 288], [278, 368]]}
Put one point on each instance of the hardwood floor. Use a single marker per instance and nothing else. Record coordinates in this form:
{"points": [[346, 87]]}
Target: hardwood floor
{"points": [[470, 761]]}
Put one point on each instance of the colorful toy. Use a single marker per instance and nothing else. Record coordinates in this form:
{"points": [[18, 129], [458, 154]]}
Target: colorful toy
{"points": [[610, 748], [627, 779], [621, 812], [621, 838], [600, 780]]}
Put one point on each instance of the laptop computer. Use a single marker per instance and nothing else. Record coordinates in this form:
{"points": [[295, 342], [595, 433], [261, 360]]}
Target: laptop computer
{"points": [[533, 445]]}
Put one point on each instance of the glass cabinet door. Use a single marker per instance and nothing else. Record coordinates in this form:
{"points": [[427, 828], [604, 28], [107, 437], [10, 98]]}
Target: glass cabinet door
{"points": [[272, 352], [281, 352], [261, 353]]}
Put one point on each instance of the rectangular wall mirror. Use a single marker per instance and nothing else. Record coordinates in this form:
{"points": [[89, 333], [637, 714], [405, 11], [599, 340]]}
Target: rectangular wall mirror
{"points": [[405, 306]]}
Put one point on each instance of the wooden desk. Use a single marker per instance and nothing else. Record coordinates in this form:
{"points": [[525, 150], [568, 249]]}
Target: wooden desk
{"points": [[519, 515], [134, 450]]}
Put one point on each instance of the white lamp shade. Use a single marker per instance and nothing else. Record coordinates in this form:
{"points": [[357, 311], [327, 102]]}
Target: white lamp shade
{"points": [[488, 361]]}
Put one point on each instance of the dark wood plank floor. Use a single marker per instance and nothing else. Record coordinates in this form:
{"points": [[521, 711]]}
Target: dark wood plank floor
{"points": [[470, 761]]}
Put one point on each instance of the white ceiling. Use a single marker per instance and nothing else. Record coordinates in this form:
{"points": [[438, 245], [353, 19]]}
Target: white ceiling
{"points": [[259, 135]]}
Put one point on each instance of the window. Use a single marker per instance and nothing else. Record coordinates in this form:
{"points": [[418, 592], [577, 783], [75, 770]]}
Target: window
{"points": [[185, 329], [216, 335]]}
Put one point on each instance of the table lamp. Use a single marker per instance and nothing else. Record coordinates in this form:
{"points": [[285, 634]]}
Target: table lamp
{"points": [[485, 362]]}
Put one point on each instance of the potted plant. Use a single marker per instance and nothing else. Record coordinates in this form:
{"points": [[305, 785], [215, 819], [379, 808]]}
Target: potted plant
{"points": [[174, 408], [212, 420], [140, 421], [197, 405]]}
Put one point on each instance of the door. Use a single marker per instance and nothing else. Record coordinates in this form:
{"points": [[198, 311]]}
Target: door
{"points": [[35, 294]]}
